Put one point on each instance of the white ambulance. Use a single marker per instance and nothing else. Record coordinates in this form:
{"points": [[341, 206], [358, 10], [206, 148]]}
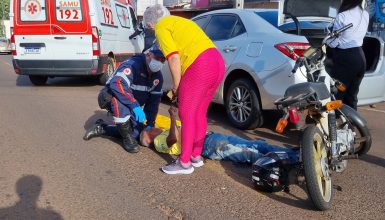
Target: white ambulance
{"points": [[71, 37]]}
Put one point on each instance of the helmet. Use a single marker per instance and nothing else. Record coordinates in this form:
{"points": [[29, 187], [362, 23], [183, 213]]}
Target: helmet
{"points": [[270, 172]]}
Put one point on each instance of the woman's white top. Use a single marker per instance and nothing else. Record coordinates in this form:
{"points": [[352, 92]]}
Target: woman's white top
{"points": [[354, 36]]}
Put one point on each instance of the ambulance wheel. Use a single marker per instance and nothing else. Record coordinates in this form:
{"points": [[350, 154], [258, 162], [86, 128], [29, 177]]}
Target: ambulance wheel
{"points": [[109, 71], [38, 80]]}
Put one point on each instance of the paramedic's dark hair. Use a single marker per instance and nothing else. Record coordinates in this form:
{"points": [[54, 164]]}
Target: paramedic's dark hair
{"points": [[349, 4]]}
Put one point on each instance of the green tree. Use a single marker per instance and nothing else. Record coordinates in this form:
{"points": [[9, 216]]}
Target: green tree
{"points": [[4, 9], [4, 14]]}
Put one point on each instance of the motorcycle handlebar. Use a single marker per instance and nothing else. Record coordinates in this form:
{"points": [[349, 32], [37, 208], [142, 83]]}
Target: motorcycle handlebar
{"points": [[296, 66], [339, 31]]}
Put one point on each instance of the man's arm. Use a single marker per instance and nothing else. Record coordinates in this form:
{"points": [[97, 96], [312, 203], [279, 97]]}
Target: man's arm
{"points": [[175, 69], [173, 134]]}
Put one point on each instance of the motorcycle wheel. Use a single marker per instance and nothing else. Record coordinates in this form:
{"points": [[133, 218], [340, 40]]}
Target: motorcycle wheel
{"points": [[316, 169], [362, 132]]}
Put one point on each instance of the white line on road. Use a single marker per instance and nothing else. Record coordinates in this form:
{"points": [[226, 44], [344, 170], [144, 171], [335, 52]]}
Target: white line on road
{"points": [[373, 110]]}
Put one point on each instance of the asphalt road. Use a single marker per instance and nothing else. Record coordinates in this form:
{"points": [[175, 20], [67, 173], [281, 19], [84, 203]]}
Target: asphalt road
{"points": [[47, 170]]}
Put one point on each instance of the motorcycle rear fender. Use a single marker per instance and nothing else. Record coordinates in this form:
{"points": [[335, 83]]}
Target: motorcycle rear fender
{"points": [[353, 115]]}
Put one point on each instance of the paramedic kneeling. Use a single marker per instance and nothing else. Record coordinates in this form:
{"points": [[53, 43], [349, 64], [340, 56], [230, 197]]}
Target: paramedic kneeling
{"points": [[137, 82]]}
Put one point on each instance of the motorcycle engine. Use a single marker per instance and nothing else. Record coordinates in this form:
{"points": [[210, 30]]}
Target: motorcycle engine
{"points": [[345, 140]]}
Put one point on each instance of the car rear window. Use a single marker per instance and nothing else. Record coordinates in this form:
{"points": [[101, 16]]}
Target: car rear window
{"points": [[68, 10], [33, 10], [123, 16]]}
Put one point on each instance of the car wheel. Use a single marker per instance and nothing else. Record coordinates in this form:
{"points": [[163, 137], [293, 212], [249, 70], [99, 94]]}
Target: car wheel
{"points": [[109, 71], [38, 80], [243, 105]]}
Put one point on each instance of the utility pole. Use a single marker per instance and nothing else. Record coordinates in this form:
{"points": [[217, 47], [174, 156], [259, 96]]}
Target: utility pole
{"points": [[239, 3]]}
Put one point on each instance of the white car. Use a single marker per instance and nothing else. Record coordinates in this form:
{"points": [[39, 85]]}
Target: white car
{"points": [[258, 63], [313, 17]]}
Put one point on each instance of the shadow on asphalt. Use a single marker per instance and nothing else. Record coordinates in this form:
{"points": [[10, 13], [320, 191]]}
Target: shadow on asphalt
{"points": [[28, 189], [373, 160], [23, 81]]}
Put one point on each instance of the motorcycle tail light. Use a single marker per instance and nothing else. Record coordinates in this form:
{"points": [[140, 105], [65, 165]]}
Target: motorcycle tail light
{"points": [[281, 125], [293, 115], [333, 105]]}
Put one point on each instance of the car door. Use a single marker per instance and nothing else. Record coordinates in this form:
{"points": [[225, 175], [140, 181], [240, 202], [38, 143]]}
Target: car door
{"points": [[226, 31]]}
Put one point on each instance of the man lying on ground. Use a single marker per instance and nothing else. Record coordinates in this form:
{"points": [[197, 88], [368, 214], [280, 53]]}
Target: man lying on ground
{"points": [[216, 146]]}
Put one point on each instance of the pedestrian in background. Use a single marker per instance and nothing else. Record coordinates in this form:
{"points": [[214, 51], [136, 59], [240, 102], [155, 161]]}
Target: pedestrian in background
{"points": [[197, 69], [349, 63]]}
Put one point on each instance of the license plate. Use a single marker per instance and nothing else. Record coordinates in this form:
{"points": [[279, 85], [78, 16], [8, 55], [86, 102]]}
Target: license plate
{"points": [[32, 50]]}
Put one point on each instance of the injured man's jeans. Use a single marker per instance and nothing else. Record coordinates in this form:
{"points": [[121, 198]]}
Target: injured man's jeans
{"points": [[225, 147]]}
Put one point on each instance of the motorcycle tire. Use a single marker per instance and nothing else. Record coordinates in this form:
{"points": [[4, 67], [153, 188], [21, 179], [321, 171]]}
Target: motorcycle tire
{"points": [[315, 156], [364, 146]]}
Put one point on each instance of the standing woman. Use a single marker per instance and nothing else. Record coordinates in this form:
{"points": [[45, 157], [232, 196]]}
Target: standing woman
{"points": [[197, 69], [348, 57]]}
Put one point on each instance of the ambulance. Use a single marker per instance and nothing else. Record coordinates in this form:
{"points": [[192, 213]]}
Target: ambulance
{"points": [[52, 38]]}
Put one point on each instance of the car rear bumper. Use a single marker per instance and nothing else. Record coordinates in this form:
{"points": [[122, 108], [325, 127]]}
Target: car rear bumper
{"points": [[56, 67]]}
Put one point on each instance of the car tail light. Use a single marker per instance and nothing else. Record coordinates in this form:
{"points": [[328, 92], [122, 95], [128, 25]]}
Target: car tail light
{"points": [[95, 41], [13, 44], [292, 49], [293, 115]]}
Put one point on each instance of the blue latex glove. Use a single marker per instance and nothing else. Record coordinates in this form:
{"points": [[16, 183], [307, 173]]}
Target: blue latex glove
{"points": [[139, 114], [148, 127]]}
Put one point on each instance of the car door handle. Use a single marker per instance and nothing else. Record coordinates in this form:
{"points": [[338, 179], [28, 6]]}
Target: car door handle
{"points": [[229, 49], [60, 38]]}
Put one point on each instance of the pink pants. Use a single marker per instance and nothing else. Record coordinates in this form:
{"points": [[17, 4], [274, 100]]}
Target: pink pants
{"points": [[196, 90]]}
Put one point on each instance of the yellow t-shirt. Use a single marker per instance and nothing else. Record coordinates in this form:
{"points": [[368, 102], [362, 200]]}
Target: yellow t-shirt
{"points": [[179, 35], [160, 143]]}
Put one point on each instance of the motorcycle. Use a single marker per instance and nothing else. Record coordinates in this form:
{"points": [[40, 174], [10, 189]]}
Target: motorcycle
{"points": [[333, 132]]}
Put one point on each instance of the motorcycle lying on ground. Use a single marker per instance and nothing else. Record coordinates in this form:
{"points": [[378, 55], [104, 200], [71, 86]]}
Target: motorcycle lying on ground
{"points": [[333, 132]]}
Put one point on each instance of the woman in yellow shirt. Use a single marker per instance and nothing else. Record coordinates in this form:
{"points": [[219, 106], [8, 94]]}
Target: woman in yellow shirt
{"points": [[197, 69]]}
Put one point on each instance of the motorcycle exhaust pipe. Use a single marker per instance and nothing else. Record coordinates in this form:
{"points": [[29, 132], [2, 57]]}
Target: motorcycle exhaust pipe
{"points": [[349, 157]]}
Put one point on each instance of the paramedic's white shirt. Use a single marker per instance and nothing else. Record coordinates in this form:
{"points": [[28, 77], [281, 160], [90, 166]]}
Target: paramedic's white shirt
{"points": [[352, 37]]}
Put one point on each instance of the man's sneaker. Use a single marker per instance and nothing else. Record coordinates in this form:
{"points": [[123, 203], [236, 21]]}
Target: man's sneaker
{"points": [[177, 168], [197, 162]]}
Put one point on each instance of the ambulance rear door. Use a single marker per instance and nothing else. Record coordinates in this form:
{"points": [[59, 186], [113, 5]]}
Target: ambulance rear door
{"points": [[71, 31], [32, 29]]}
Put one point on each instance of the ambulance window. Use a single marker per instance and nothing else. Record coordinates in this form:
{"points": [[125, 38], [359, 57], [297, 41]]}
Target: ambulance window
{"points": [[68, 10], [133, 17], [33, 10], [123, 16]]}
